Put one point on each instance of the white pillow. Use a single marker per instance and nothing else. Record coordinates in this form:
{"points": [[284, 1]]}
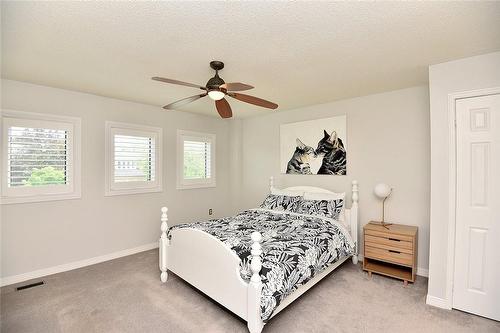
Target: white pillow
{"points": [[324, 196], [277, 191], [328, 196]]}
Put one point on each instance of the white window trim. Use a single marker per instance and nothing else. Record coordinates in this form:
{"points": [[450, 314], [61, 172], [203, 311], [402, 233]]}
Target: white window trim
{"points": [[185, 184], [43, 193], [111, 188]]}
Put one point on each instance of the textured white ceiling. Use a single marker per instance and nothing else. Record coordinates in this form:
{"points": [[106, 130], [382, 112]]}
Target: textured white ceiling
{"points": [[295, 54]]}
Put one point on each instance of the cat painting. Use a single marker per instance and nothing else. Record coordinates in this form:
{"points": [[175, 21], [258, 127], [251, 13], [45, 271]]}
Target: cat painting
{"points": [[332, 149], [299, 163], [314, 147]]}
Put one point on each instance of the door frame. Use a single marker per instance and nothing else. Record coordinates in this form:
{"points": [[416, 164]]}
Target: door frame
{"points": [[452, 181]]}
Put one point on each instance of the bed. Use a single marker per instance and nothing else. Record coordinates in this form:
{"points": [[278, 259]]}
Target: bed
{"points": [[237, 260]]}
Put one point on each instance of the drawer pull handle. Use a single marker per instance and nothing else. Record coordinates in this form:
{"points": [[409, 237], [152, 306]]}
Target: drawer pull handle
{"points": [[394, 251], [394, 239]]}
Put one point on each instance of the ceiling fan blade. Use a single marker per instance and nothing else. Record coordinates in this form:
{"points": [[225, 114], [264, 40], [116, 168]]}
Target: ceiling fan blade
{"points": [[254, 100], [162, 79], [236, 86], [223, 108], [183, 102]]}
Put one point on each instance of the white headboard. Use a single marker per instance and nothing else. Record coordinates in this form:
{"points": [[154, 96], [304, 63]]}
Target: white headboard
{"points": [[351, 214]]}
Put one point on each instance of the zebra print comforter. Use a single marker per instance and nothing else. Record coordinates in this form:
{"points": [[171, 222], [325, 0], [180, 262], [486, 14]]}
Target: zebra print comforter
{"points": [[295, 247]]}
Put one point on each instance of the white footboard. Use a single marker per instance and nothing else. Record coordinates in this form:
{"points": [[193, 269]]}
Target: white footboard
{"points": [[204, 262]]}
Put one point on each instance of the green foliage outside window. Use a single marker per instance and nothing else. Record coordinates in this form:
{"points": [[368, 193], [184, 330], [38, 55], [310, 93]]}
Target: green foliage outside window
{"points": [[194, 165], [46, 176]]}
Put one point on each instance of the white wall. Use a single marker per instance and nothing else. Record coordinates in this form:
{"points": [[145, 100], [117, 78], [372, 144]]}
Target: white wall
{"points": [[41, 235], [451, 77], [388, 141]]}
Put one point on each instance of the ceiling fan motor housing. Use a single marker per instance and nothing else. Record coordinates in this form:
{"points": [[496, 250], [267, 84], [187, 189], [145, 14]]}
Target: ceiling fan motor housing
{"points": [[215, 82]]}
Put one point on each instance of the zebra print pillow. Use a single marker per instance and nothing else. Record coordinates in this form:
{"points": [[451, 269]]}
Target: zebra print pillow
{"points": [[281, 202], [326, 208]]}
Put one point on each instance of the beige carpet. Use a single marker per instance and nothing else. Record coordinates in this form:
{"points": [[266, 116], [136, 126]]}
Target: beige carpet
{"points": [[125, 295]]}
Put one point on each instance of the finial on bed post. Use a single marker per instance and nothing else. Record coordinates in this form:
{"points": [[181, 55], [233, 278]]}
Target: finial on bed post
{"points": [[271, 183], [163, 245], [355, 191], [354, 220], [255, 323]]}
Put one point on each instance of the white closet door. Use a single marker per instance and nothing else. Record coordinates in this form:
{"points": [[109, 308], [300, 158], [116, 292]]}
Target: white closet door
{"points": [[476, 287]]}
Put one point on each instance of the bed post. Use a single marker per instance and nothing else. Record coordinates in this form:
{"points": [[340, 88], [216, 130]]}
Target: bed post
{"points": [[163, 246], [271, 183], [254, 319], [354, 220]]}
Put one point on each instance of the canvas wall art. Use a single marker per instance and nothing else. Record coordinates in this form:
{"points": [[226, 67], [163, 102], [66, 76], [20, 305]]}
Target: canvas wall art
{"points": [[314, 147]]}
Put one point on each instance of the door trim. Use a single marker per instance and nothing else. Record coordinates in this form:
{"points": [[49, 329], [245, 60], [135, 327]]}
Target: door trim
{"points": [[452, 183]]}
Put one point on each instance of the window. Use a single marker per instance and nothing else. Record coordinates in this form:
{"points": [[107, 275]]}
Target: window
{"points": [[133, 159], [196, 160], [41, 157]]}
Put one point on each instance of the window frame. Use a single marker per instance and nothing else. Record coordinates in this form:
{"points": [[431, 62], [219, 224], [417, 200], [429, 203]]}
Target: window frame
{"points": [[112, 188], [71, 190], [185, 184]]}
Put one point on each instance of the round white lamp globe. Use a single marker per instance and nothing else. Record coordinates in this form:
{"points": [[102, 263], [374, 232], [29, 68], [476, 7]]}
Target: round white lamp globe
{"points": [[382, 190], [216, 95]]}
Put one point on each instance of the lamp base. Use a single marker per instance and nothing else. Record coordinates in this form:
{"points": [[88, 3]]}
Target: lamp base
{"points": [[382, 223]]}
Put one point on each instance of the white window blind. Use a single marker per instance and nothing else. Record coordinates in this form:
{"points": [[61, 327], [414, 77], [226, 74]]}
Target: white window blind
{"points": [[134, 159], [197, 160], [37, 156]]}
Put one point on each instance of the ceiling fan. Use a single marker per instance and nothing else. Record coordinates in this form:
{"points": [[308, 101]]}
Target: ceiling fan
{"points": [[217, 89]]}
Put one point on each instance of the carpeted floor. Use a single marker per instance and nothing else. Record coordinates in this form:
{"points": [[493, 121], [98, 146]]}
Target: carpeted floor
{"points": [[125, 295]]}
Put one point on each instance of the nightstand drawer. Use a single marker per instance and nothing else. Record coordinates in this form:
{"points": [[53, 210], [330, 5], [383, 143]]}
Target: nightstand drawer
{"points": [[384, 234], [382, 246], [393, 256], [389, 242]]}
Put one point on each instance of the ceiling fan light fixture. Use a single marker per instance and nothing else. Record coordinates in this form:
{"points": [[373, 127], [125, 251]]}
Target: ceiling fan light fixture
{"points": [[216, 95]]}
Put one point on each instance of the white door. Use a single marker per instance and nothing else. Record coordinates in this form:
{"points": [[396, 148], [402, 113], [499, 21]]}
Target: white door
{"points": [[476, 286]]}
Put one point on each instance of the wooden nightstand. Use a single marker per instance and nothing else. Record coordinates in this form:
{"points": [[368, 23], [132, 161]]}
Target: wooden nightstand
{"points": [[391, 251]]}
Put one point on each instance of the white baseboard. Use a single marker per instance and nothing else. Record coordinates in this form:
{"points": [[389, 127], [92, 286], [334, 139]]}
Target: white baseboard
{"points": [[74, 265], [420, 270], [423, 272], [438, 302]]}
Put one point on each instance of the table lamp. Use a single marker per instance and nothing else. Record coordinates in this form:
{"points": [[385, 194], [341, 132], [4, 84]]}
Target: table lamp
{"points": [[383, 191]]}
